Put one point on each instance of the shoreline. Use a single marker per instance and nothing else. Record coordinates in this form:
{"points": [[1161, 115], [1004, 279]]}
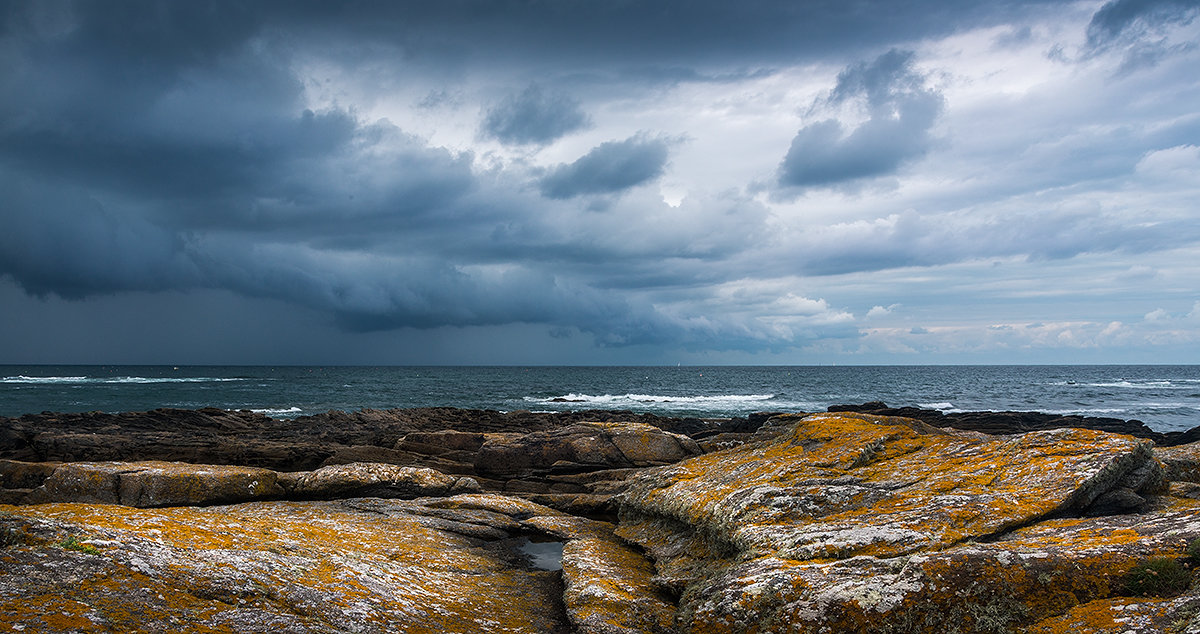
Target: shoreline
{"points": [[854, 521]]}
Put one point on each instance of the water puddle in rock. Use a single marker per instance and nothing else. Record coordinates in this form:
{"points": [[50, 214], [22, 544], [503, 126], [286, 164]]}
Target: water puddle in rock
{"points": [[543, 555]]}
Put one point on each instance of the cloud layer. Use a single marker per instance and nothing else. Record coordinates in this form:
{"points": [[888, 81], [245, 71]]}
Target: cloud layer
{"points": [[633, 182]]}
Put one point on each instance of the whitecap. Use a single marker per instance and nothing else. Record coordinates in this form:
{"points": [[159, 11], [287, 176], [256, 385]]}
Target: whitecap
{"points": [[276, 411]]}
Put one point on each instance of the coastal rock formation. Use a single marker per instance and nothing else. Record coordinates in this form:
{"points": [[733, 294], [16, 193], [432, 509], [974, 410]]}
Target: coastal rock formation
{"points": [[215, 436], [846, 520], [365, 479], [824, 523], [1019, 422], [579, 447], [514, 452], [157, 483], [368, 565]]}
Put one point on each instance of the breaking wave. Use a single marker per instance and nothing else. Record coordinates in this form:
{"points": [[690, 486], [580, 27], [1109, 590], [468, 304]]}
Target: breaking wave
{"points": [[91, 380]]}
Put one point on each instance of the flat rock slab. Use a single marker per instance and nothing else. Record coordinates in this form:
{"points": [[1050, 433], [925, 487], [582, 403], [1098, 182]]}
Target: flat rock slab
{"points": [[155, 483], [363, 565], [850, 522], [839, 485]]}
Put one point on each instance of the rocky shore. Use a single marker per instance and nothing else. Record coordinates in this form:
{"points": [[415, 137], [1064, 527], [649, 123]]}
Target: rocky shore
{"points": [[863, 518]]}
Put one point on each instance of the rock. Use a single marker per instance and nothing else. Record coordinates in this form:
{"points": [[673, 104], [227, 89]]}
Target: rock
{"points": [[594, 444], [214, 436], [155, 483], [610, 589], [15, 474], [358, 566], [1182, 462], [1125, 615], [849, 521], [369, 453], [361, 479], [997, 423]]}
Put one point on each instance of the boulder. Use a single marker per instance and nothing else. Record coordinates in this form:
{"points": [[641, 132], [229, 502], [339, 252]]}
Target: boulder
{"points": [[847, 522], [153, 483], [364, 479], [588, 445], [1182, 462]]}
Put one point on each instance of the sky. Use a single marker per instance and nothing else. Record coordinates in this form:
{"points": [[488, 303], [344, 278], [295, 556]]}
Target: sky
{"points": [[599, 182]]}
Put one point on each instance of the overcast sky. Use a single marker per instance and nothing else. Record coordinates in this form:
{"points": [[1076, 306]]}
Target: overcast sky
{"points": [[599, 181]]}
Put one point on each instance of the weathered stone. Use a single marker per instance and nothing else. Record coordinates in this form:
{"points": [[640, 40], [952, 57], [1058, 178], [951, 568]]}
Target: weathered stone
{"points": [[15, 474], [448, 440], [369, 453], [849, 521], [154, 483], [1126, 615], [214, 436], [1182, 462], [595, 444], [265, 566], [1016, 422], [610, 589], [365, 479]]}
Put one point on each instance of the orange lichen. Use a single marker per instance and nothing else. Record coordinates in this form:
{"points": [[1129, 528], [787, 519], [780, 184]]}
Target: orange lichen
{"points": [[1099, 617], [824, 516], [322, 563]]}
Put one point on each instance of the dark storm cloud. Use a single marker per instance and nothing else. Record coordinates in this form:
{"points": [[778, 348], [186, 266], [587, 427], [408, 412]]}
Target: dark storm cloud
{"points": [[901, 110], [1140, 29], [549, 32], [545, 32], [1132, 19], [534, 115], [608, 168], [236, 149]]}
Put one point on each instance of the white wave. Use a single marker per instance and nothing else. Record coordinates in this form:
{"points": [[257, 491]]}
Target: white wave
{"points": [[43, 379], [662, 402], [1087, 411], [611, 399], [1139, 385], [943, 406], [70, 380], [277, 411]]}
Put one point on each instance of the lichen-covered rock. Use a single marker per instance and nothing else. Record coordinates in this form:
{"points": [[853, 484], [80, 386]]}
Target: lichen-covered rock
{"points": [[849, 522], [1126, 615], [154, 483], [1182, 462], [610, 589], [842, 485], [370, 565], [366, 479], [589, 445]]}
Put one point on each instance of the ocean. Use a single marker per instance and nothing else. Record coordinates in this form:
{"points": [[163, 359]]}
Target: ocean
{"points": [[1165, 397]]}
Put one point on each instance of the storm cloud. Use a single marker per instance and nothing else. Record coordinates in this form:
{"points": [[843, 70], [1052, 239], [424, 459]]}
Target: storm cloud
{"points": [[610, 167], [901, 111], [621, 182], [533, 116]]}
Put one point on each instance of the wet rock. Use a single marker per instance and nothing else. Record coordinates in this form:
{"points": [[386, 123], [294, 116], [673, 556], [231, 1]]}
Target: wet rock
{"points": [[846, 522]]}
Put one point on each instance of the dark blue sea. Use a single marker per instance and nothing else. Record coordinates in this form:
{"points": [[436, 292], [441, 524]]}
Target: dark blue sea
{"points": [[1165, 397]]}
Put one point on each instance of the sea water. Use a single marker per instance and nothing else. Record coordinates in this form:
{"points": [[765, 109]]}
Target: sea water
{"points": [[1166, 398]]}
